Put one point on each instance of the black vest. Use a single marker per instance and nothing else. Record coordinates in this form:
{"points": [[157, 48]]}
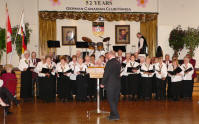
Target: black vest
{"points": [[143, 49]]}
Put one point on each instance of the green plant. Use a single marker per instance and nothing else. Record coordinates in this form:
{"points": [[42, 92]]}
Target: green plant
{"points": [[18, 41], [176, 40], [191, 39], [2, 41]]}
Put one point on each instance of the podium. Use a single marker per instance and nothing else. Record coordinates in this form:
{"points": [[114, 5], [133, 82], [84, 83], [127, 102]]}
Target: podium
{"points": [[97, 72]]}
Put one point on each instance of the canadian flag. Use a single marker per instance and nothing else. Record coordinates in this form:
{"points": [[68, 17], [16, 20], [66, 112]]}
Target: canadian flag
{"points": [[8, 33]]}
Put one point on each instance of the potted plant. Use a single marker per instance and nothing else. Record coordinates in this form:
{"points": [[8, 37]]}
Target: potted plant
{"points": [[191, 40], [176, 40]]}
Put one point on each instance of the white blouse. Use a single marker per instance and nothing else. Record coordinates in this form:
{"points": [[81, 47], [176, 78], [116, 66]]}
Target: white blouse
{"points": [[145, 68], [175, 78], [52, 66], [162, 69], [188, 75], [25, 63], [65, 68], [131, 64]]}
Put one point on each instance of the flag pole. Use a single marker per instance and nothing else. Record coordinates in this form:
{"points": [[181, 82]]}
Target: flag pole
{"points": [[6, 32], [14, 45]]}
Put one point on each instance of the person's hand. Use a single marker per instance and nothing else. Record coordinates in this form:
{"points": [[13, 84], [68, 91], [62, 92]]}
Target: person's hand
{"points": [[101, 85], [134, 70], [178, 74], [32, 70], [47, 74], [24, 69], [159, 72]]}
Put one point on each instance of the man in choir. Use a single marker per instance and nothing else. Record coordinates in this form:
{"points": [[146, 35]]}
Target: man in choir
{"points": [[82, 79], [142, 44], [48, 80], [167, 61], [147, 72], [35, 84], [112, 83], [176, 79], [132, 70], [63, 80], [119, 57], [187, 83], [124, 74], [161, 74], [25, 66]]}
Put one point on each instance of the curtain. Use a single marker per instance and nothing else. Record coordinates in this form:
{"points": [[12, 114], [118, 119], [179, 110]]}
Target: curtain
{"points": [[47, 31], [149, 31]]}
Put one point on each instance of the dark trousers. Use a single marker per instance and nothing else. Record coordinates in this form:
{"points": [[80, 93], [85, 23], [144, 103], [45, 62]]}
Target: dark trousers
{"points": [[161, 88], [113, 95], [124, 85], [187, 88], [81, 87], [169, 92], [147, 87], [176, 90]]}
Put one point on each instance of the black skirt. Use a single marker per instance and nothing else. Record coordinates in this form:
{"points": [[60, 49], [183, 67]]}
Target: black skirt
{"points": [[82, 84], [124, 85], [133, 81], [26, 84], [187, 88], [65, 87], [147, 87], [47, 88]]}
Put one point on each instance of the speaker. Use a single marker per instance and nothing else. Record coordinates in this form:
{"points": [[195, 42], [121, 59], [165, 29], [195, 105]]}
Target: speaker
{"points": [[53, 43]]}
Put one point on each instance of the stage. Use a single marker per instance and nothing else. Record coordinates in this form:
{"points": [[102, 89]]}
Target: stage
{"points": [[140, 112]]}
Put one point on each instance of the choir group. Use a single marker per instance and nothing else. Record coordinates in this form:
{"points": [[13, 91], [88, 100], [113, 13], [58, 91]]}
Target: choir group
{"points": [[142, 77]]}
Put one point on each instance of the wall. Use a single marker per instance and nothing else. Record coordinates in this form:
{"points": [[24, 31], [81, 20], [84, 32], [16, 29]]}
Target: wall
{"points": [[84, 29], [171, 14]]}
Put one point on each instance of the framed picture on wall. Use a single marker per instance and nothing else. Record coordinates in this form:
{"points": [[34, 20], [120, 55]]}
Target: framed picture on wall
{"points": [[69, 35], [122, 34]]}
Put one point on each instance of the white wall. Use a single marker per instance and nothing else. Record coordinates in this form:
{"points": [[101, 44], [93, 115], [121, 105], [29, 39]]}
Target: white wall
{"points": [[84, 29], [171, 14]]}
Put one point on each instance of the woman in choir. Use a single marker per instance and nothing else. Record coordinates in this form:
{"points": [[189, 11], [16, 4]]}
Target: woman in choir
{"points": [[81, 81], [25, 66], [91, 90], [161, 74], [154, 89], [73, 65], [141, 61], [63, 73], [147, 72], [124, 82], [132, 71], [48, 80], [176, 79], [187, 86], [9, 79], [38, 69]]}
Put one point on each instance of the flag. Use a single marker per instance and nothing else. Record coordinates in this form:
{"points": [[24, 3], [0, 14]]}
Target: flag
{"points": [[98, 28], [8, 33], [22, 33]]}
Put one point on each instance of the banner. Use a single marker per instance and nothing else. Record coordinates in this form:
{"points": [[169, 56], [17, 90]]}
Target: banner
{"points": [[98, 29], [99, 5]]}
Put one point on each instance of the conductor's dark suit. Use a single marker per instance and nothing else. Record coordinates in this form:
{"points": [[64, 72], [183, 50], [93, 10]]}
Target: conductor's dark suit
{"points": [[111, 82]]}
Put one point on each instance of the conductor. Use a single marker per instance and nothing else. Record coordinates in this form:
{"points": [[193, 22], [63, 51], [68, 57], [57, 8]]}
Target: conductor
{"points": [[111, 82]]}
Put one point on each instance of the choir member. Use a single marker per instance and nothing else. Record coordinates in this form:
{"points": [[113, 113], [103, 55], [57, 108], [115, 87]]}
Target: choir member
{"points": [[176, 74], [35, 84], [78, 54], [48, 80], [154, 62], [106, 58], [124, 74], [161, 74], [9, 79], [37, 70], [25, 66], [119, 57], [63, 73], [92, 82], [136, 57], [167, 61], [187, 84], [73, 65], [82, 78], [147, 71], [132, 70], [142, 44], [92, 57]]}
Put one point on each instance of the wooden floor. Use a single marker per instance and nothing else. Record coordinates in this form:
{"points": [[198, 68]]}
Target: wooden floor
{"points": [[140, 112]]}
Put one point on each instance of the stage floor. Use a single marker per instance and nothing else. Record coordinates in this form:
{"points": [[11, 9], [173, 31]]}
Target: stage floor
{"points": [[140, 112]]}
